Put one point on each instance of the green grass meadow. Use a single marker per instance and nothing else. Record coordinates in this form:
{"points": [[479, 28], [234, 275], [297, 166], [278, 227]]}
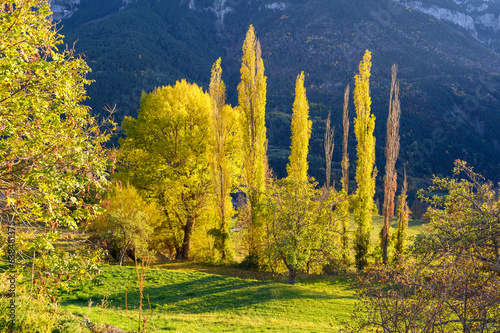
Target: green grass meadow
{"points": [[193, 297], [191, 300]]}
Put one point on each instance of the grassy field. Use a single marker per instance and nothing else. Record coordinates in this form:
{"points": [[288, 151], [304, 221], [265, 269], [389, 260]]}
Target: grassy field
{"points": [[414, 227], [192, 297]]}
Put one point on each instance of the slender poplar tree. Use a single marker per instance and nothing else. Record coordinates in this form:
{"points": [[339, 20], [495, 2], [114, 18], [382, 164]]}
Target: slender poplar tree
{"points": [[301, 133], [391, 155], [364, 125], [224, 154], [252, 105], [344, 205]]}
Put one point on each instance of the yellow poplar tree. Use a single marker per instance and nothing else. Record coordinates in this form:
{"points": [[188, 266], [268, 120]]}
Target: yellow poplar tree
{"points": [[224, 156], [252, 105], [364, 125], [301, 133]]}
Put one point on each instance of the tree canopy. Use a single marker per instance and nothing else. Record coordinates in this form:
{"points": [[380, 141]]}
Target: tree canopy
{"points": [[52, 154], [165, 154], [301, 133], [53, 163]]}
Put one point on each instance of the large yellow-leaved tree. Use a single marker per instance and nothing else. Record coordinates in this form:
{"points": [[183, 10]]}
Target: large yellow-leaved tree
{"points": [[165, 155]]}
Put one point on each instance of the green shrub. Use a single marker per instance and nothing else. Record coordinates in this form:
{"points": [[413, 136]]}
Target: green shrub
{"points": [[35, 313]]}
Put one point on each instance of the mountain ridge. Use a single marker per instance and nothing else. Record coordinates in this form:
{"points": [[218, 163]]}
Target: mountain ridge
{"points": [[449, 81], [469, 14]]}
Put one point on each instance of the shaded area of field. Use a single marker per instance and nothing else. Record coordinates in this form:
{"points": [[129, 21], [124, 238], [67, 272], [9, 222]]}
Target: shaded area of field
{"points": [[194, 297], [188, 300]]}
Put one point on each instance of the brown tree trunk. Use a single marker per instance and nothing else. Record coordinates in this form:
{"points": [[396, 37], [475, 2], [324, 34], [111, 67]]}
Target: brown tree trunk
{"points": [[178, 252], [253, 257], [122, 254], [292, 274], [186, 244], [223, 222]]}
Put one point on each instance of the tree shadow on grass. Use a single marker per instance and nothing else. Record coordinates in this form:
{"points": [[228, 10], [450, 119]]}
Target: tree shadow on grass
{"points": [[197, 293]]}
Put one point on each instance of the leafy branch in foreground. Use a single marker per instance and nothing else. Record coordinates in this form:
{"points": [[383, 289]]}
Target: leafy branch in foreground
{"points": [[53, 163], [450, 281]]}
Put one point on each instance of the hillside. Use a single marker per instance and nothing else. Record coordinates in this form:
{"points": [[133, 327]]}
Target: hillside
{"points": [[481, 18], [449, 80]]}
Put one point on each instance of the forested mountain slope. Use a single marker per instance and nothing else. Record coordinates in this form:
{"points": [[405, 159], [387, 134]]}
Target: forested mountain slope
{"points": [[450, 83]]}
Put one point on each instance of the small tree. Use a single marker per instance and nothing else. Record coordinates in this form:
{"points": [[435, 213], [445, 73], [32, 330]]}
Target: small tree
{"points": [[129, 222], [344, 205], [301, 221], [329, 145], [345, 153]]}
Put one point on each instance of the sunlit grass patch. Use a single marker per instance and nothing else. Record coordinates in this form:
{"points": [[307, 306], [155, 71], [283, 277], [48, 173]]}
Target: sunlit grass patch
{"points": [[194, 301]]}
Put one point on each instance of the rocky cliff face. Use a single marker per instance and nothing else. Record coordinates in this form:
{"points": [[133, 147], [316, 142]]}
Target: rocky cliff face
{"points": [[480, 17], [64, 9], [223, 7]]}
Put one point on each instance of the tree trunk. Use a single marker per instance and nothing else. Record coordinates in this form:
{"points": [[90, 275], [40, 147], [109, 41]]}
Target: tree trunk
{"points": [[292, 274], [186, 245], [385, 235], [178, 253], [253, 256], [223, 225], [122, 254]]}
